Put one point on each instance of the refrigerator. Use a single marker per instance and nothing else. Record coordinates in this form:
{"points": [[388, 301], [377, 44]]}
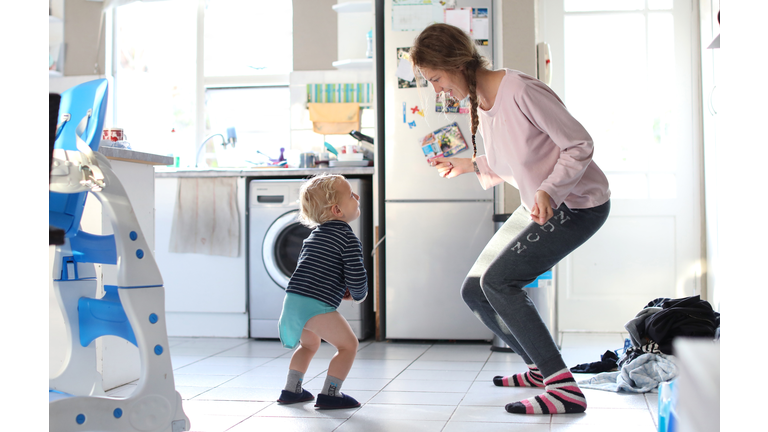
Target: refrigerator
{"points": [[435, 227]]}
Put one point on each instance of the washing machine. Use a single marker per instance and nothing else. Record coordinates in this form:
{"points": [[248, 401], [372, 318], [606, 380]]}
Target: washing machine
{"points": [[275, 239]]}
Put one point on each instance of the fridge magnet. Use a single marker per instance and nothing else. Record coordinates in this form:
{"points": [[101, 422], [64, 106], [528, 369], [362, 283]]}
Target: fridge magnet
{"points": [[412, 124], [449, 104], [405, 76], [416, 110], [444, 142], [404, 121]]}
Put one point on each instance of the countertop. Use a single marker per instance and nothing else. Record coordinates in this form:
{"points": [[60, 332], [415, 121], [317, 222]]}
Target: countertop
{"points": [[161, 172], [135, 156]]}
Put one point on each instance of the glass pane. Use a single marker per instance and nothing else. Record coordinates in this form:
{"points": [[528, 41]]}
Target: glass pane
{"points": [[619, 88], [260, 116], [288, 247], [659, 4], [248, 37], [602, 5], [628, 185], [154, 91]]}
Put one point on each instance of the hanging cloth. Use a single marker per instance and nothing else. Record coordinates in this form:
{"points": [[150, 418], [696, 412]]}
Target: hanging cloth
{"points": [[206, 218], [334, 118]]}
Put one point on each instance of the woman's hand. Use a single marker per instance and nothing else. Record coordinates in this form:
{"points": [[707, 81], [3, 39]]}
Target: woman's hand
{"points": [[542, 209], [452, 167]]}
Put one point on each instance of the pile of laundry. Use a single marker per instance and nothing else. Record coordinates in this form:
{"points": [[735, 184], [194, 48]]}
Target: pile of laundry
{"points": [[647, 359]]}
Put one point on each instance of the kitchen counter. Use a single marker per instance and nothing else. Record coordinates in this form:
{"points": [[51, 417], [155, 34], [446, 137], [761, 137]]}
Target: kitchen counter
{"points": [[165, 172], [134, 156]]}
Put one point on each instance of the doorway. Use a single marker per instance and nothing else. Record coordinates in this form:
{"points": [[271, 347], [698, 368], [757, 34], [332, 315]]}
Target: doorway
{"points": [[626, 71]]}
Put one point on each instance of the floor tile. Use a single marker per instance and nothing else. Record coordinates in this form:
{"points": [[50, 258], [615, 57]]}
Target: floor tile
{"points": [[405, 412], [189, 392], [449, 352], [498, 414], [578, 427], [607, 417], [234, 361], [304, 410], [447, 365], [417, 398], [605, 399], [213, 423], [428, 385], [437, 375], [220, 407], [240, 394], [287, 424], [368, 424], [200, 380], [200, 368], [178, 361], [486, 426]]}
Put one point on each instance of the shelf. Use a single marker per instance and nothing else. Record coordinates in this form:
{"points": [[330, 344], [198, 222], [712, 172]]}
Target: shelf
{"points": [[354, 64], [355, 6], [52, 19], [53, 73]]}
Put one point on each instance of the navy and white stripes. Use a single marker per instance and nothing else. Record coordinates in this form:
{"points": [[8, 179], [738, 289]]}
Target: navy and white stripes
{"points": [[330, 262]]}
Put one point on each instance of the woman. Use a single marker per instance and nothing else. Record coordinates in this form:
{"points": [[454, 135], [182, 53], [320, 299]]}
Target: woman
{"points": [[533, 143]]}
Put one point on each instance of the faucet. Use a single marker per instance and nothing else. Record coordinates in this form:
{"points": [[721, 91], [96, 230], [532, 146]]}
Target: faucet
{"points": [[230, 140]]}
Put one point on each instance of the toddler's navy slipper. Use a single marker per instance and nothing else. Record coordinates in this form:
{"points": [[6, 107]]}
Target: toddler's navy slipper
{"points": [[287, 397], [333, 402]]}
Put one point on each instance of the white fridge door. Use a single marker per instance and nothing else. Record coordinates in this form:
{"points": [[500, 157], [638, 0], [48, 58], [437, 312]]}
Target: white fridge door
{"points": [[430, 248], [409, 176]]}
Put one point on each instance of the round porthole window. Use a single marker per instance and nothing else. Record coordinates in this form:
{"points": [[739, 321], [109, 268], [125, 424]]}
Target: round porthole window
{"points": [[282, 246]]}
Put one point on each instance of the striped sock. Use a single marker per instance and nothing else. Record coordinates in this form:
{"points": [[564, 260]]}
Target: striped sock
{"points": [[562, 396], [532, 378]]}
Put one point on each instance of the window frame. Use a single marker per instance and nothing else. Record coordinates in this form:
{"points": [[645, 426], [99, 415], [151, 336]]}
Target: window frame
{"points": [[202, 82]]}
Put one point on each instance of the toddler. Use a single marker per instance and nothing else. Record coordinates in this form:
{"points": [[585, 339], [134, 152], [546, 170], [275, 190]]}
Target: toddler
{"points": [[330, 269]]}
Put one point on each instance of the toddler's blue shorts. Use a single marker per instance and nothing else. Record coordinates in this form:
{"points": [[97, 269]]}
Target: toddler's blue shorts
{"points": [[297, 310]]}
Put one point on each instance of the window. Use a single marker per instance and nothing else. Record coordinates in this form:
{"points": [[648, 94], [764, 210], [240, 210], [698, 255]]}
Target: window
{"points": [[623, 48], [169, 102]]}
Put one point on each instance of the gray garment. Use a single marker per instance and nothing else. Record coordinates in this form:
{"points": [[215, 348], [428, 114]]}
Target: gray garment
{"points": [[516, 255], [641, 375]]}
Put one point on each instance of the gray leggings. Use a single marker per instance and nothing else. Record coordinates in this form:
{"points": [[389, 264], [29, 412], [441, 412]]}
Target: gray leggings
{"points": [[516, 255]]}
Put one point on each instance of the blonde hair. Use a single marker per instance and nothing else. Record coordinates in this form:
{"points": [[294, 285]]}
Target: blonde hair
{"points": [[316, 198], [448, 48]]}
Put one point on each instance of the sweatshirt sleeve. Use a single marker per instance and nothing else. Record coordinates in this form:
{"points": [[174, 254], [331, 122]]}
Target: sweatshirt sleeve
{"points": [[487, 177], [355, 276], [547, 113]]}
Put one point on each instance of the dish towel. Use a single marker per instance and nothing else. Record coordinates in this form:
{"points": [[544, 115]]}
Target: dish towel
{"points": [[334, 118], [206, 218]]}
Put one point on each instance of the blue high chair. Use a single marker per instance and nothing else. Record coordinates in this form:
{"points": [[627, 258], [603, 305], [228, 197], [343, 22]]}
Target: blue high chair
{"points": [[134, 309]]}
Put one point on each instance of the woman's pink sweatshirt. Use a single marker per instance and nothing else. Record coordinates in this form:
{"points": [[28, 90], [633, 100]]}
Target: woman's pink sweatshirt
{"points": [[533, 143]]}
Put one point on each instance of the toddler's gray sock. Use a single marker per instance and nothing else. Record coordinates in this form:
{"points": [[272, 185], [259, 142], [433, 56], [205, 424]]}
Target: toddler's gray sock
{"points": [[332, 386], [295, 378]]}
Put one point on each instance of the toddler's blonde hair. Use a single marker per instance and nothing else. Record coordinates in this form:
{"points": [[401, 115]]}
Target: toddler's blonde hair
{"points": [[316, 198]]}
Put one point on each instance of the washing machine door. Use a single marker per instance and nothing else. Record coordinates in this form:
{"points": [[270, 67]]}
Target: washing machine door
{"points": [[282, 245]]}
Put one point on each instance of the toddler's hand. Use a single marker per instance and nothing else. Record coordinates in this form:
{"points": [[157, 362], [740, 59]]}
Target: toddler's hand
{"points": [[347, 296]]}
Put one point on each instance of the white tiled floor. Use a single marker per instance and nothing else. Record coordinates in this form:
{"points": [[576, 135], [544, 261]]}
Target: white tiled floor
{"points": [[232, 384]]}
